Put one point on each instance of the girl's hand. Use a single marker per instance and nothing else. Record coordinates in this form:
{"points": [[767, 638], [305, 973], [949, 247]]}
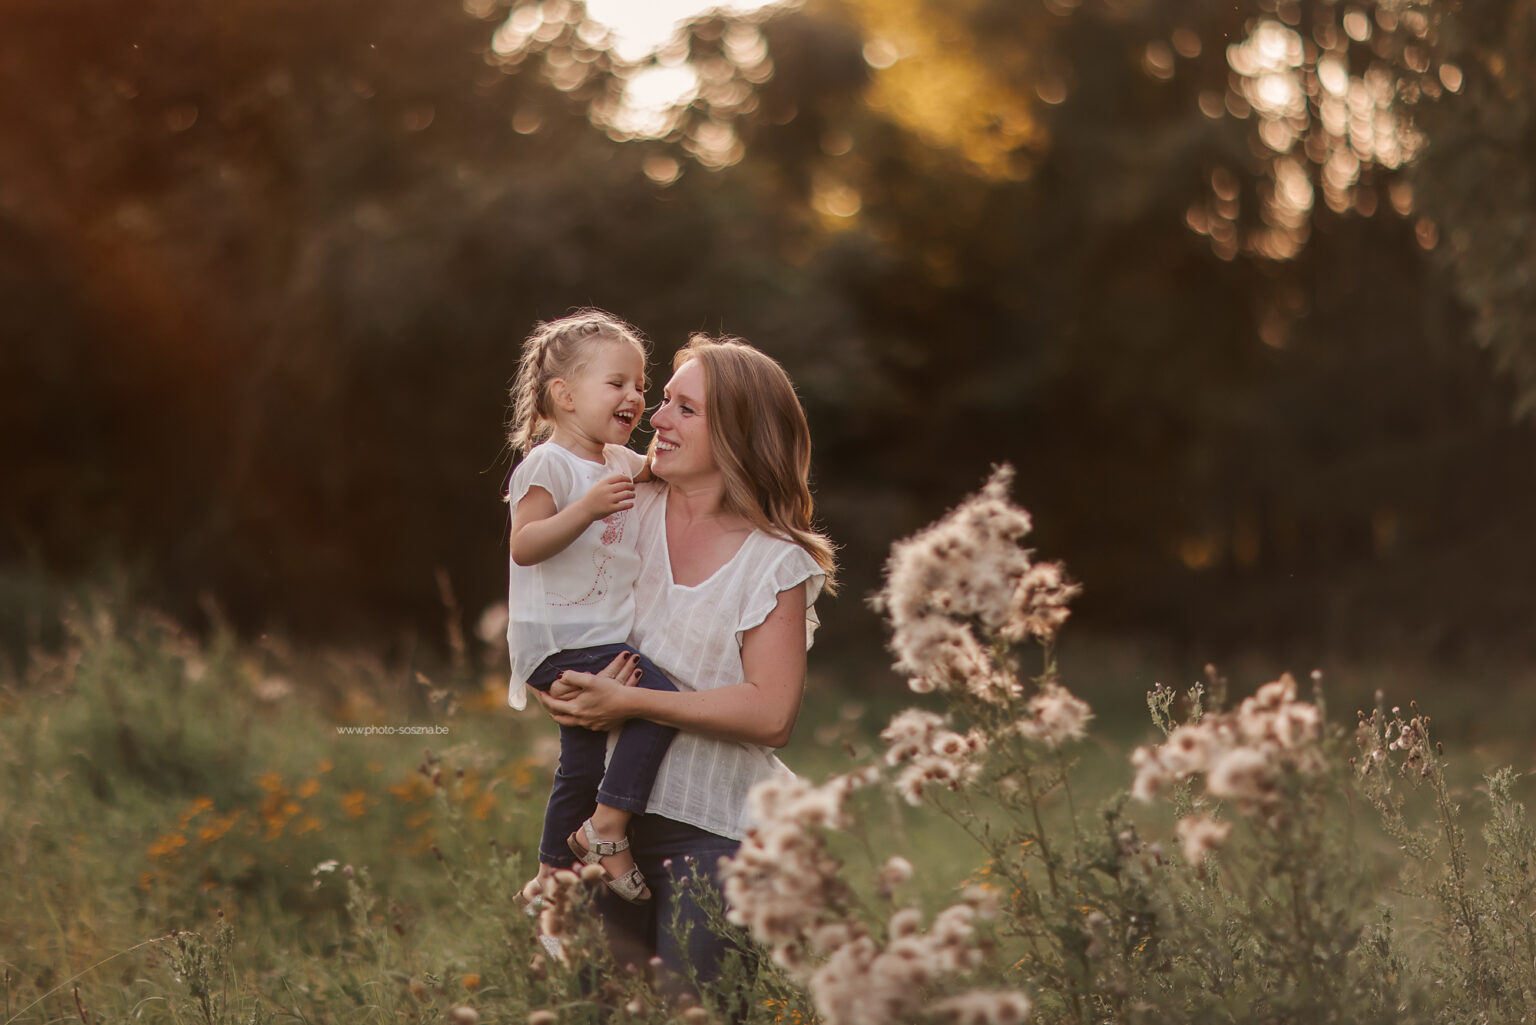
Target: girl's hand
{"points": [[610, 495], [596, 702]]}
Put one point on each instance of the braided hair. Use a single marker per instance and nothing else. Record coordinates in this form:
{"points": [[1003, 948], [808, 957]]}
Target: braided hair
{"points": [[555, 349]]}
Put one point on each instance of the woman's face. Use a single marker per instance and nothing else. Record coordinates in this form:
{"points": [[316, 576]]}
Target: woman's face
{"points": [[682, 448]]}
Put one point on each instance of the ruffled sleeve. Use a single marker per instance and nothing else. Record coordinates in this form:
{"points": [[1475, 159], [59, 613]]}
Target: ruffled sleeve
{"points": [[540, 468], [790, 565]]}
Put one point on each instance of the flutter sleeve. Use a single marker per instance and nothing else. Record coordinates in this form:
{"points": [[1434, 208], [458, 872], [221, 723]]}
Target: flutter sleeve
{"points": [[791, 566], [541, 468]]}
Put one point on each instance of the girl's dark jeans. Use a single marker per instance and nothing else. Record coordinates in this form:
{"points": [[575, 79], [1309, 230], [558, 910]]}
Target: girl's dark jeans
{"points": [[581, 782]]}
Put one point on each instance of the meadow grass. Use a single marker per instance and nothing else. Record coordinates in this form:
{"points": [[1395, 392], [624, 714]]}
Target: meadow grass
{"points": [[190, 838]]}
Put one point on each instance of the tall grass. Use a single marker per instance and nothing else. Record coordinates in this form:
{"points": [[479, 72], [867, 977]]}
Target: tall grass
{"points": [[189, 838]]}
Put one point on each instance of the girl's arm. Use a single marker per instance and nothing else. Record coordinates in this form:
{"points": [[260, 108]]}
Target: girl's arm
{"points": [[761, 710], [539, 530]]}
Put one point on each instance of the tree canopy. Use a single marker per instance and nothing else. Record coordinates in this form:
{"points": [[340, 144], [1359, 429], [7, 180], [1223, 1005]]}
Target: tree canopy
{"points": [[1209, 274]]}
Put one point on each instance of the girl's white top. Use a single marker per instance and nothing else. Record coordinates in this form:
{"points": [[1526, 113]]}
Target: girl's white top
{"points": [[585, 594], [693, 633]]}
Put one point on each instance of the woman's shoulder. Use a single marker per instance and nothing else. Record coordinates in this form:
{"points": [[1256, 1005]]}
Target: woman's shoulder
{"points": [[626, 460], [781, 563]]}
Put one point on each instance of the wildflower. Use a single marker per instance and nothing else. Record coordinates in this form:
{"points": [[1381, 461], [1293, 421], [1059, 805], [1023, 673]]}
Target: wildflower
{"points": [[463, 1015], [964, 582], [1096, 928], [273, 689], [998, 1007], [491, 628], [932, 755], [1201, 836], [1040, 603], [1245, 774], [542, 1017], [896, 871], [1151, 777], [1056, 716], [1242, 754]]}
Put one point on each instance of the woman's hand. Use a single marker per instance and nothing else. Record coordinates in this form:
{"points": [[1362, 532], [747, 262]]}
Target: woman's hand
{"points": [[584, 699]]}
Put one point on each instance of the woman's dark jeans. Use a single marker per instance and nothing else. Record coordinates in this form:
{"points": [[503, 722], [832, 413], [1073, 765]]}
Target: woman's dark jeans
{"points": [[581, 782], [681, 865]]}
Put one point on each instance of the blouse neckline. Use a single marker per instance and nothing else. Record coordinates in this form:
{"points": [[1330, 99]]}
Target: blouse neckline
{"points": [[666, 550]]}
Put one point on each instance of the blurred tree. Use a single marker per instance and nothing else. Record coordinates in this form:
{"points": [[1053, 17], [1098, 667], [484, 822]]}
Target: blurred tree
{"points": [[268, 265]]}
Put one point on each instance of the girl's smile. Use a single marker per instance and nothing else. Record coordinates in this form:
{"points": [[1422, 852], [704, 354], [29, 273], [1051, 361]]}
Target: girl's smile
{"points": [[602, 401]]}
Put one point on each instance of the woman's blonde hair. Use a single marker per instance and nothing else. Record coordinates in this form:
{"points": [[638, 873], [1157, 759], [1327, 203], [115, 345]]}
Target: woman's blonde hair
{"points": [[555, 349], [760, 441]]}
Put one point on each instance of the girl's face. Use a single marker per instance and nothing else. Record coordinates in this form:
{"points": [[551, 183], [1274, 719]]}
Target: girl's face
{"points": [[682, 448], [601, 403]]}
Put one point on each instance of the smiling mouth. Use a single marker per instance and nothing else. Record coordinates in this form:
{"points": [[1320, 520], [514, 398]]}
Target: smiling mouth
{"points": [[627, 419], [665, 446]]}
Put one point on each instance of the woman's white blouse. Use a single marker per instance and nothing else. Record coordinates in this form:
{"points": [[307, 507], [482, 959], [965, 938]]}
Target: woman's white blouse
{"points": [[693, 634]]}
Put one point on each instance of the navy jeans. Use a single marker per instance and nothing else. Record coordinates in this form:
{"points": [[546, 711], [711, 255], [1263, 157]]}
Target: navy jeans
{"points": [[681, 865], [581, 782]]}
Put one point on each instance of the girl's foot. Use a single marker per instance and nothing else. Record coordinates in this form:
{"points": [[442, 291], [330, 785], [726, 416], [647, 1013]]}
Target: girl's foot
{"points": [[619, 871], [534, 896]]}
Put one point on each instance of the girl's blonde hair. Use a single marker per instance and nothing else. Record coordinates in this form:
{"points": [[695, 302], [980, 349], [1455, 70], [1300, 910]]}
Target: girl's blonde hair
{"points": [[558, 348], [761, 442]]}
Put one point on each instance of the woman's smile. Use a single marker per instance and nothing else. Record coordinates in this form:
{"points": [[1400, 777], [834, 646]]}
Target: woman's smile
{"points": [[682, 433]]}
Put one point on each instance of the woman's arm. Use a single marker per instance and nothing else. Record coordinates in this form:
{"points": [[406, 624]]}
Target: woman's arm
{"points": [[761, 710]]}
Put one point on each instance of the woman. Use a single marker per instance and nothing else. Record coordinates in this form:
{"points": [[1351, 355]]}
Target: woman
{"points": [[730, 568]]}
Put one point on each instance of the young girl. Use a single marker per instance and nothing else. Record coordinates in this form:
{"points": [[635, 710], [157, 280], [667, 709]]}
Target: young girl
{"points": [[579, 392]]}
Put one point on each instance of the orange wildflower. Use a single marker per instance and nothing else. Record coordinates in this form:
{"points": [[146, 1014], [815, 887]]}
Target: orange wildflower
{"points": [[166, 845], [354, 803]]}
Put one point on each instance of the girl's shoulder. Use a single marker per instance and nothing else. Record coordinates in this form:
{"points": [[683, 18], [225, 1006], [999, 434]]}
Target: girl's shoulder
{"points": [[546, 465]]}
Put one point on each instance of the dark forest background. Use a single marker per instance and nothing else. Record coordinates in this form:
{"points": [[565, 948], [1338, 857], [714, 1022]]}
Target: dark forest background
{"points": [[265, 266]]}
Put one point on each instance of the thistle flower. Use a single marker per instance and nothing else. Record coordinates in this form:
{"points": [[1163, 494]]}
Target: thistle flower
{"points": [[1056, 716], [895, 872], [1247, 775], [996, 1007], [1201, 835], [1242, 754], [932, 754], [965, 582]]}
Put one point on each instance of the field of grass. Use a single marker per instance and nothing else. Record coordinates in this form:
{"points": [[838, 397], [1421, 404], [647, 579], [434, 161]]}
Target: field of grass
{"points": [[193, 833]]}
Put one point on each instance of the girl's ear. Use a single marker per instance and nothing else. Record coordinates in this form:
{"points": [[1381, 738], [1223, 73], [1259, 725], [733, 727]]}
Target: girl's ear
{"points": [[560, 395]]}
